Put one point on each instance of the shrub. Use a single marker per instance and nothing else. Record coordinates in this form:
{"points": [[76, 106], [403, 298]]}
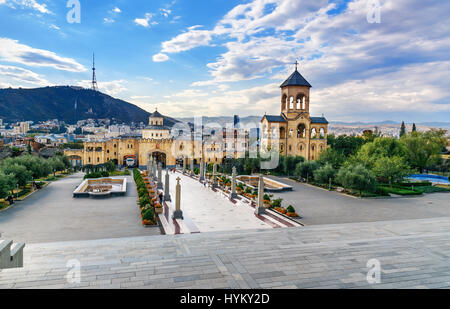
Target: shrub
{"points": [[277, 202], [290, 209], [306, 169], [324, 173], [148, 214], [357, 177]]}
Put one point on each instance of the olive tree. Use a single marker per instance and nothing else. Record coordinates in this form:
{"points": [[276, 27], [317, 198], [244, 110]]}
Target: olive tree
{"points": [[356, 177]]}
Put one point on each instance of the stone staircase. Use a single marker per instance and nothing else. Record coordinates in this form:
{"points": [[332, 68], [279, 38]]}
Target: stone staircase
{"points": [[11, 254]]}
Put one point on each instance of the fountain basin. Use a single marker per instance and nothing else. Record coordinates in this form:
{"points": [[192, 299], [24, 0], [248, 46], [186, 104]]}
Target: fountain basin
{"points": [[101, 188], [270, 185]]}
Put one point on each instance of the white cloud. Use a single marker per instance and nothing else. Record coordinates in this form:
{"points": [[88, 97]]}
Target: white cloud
{"points": [[160, 57], [13, 51], [145, 22], [117, 10], [32, 4], [108, 20], [19, 76], [186, 41], [165, 12]]}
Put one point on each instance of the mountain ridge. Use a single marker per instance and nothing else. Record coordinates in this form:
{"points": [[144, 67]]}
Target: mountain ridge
{"points": [[65, 103]]}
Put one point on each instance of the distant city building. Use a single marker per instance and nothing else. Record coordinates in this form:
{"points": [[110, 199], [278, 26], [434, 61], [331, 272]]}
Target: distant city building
{"points": [[22, 128], [159, 142]]}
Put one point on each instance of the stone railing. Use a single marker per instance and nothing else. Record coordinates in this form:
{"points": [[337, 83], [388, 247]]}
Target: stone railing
{"points": [[11, 254]]}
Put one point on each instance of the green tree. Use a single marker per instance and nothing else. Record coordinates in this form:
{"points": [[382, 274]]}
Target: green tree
{"points": [[402, 129], [306, 169], [391, 169], [324, 174], [289, 163], [56, 164], [424, 148], [333, 157], [414, 129], [356, 177], [7, 184], [20, 173], [380, 147], [346, 145], [110, 166]]}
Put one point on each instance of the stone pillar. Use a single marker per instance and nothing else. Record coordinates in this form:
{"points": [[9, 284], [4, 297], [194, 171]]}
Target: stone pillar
{"points": [[202, 168], [192, 166], [233, 184], [184, 164], [166, 187], [160, 184], [178, 214], [155, 175], [214, 180], [150, 168], [259, 209]]}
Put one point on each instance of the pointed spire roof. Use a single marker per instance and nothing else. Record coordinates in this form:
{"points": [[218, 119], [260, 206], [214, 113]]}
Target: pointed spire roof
{"points": [[296, 79], [156, 114]]}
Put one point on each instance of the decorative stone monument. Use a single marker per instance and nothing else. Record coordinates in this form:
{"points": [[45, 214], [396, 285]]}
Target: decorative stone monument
{"points": [[160, 184], [260, 206], [214, 180], [202, 168], [166, 187], [233, 183], [178, 214]]}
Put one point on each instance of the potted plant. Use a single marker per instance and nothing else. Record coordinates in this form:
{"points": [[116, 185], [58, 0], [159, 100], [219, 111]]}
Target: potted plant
{"points": [[158, 208]]}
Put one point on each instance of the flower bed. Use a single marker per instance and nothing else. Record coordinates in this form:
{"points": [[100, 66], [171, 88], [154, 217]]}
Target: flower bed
{"points": [[146, 200]]}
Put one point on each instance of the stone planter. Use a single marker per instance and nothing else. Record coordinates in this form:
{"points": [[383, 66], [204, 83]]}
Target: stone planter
{"points": [[158, 211]]}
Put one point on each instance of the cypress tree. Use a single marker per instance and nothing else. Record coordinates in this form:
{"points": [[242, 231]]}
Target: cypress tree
{"points": [[414, 129], [402, 129]]}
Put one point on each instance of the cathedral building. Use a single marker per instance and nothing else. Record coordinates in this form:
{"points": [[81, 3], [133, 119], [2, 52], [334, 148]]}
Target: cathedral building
{"points": [[294, 132]]}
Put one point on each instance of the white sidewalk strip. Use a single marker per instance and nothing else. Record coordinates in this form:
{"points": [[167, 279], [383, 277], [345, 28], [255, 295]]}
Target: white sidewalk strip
{"points": [[183, 227], [167, 228], [274, 221]]}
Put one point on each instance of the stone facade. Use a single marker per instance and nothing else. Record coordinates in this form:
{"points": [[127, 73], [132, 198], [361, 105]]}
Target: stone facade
{"points": [[294, 132], [156, 142]]}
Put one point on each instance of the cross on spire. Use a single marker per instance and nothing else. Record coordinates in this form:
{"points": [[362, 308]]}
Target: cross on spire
{"points": [[296, 64]]}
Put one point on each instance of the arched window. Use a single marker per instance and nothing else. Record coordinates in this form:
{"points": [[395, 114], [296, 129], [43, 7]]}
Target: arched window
{"points": [[301, 131], [322, 133], [300, 98], [282, 132], [291, 103], [313, 133], [284, 102], [313, 147]]}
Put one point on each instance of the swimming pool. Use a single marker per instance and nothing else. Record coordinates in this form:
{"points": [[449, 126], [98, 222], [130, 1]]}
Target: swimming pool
{"points": [[432, 178]]}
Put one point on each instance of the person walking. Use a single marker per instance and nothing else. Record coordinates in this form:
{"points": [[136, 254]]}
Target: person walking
{"points": [[161, 198]]}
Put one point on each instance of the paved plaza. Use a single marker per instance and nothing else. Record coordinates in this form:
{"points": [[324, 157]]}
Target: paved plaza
{"points": [[51, 214], [412, 253], [212, 211], [319, 206]]}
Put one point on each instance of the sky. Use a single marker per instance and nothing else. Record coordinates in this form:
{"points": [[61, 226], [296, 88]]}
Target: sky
{"points": [[367, 60]]}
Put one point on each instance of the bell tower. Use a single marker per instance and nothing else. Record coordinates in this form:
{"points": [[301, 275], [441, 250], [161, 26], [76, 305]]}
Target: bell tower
{"points": [[295, 94]]}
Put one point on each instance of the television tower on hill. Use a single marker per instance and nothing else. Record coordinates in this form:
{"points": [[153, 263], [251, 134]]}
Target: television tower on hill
{"points": [[94, 79]]}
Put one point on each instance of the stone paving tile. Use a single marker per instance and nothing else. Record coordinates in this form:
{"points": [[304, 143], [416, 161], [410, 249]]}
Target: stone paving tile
{"points": [[413, 254]]}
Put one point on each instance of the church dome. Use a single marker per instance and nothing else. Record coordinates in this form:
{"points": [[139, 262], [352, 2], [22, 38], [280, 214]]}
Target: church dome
{"points": [[296, 79]]}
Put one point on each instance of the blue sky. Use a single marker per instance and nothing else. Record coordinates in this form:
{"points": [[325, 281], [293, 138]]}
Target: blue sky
{"points": [[214, 57]]}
